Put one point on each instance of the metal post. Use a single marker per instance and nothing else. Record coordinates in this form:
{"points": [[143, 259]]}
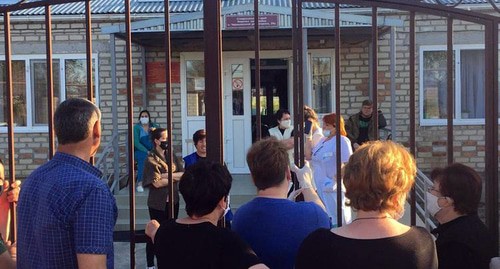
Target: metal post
{"points": [[168, 90], [10, 120], [258, 120], [374, 68], [50, 79], [213, 79], [130, 121], [413, 194], [449, 85], [491, 129], [337, 111]]}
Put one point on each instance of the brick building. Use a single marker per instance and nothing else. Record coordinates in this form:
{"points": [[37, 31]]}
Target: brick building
{"points": [[28, 47]]}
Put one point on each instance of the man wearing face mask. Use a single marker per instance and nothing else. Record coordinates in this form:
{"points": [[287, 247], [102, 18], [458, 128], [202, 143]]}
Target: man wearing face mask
{"points": [[156, 178], [66, 213], [195, 241], [284, 131], [463, 241]]}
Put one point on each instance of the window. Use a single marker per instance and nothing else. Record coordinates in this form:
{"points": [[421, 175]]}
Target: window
{"points": [[29, 80], [195, 83], [469, 89], [322, 84]]}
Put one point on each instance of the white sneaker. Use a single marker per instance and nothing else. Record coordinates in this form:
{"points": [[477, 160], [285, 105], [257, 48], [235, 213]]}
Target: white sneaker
{"points": [[139, 188]]}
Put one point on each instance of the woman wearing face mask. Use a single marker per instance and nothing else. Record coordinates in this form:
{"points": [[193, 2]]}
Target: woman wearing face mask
{"points": [[463, 241], [284, 130], [195, 241], [142, 143], [323, 158], [156, 177]]}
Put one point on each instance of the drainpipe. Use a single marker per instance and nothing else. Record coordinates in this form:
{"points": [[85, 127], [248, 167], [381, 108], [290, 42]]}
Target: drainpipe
{"points": [[144, 91], [114, 112], [393, 82]]}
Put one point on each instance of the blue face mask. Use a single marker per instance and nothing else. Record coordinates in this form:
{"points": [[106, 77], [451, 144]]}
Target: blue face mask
{"points": [[327, 133]]}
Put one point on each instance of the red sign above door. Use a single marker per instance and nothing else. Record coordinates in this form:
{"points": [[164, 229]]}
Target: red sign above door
{"points": [[247, 22]]}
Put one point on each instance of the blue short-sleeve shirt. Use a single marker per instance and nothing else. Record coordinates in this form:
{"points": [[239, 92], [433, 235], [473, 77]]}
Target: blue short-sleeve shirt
{"points": [[64, 209]]}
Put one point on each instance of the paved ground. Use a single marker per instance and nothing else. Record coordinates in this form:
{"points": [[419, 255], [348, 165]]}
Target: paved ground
{"points": [[122, 255]]}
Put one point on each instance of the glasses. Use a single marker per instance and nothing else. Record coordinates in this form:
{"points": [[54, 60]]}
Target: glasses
{"points": [[432, 189]]}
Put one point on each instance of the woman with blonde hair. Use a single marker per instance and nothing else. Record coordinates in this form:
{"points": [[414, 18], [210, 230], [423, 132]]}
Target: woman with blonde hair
{"points": [[312, 128], [323, 158], [377, 178]]}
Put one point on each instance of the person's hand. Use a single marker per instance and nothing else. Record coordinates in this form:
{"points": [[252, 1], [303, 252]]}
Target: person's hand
{"points": [[294, 194], [13, 193], [5, 186], [304, 175], [152, 228], [12, 248]]}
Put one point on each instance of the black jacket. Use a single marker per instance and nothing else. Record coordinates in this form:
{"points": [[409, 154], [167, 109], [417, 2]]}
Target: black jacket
{"points": [[464, 243]]}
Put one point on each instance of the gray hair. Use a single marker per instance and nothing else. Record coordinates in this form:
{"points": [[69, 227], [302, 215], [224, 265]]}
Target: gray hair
{"points": [[73, 120]]}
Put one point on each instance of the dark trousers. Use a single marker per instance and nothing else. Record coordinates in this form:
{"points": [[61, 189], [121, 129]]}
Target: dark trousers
{"points": [[160, 216]]}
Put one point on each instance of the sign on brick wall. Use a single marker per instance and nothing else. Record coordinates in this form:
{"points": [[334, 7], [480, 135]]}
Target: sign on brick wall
{"points": [[155, 72], [247, 22]]}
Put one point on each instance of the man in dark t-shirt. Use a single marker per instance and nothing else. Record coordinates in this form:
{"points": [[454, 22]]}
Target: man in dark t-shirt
{"points": [[360, 126]]}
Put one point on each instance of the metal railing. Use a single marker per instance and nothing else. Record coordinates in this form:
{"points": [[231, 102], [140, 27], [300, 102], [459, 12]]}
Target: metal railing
{"points": [[422, 184], [113, 160]]}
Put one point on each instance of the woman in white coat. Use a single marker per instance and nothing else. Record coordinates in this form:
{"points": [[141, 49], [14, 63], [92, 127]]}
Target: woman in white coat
{"points": [[323, 158]]}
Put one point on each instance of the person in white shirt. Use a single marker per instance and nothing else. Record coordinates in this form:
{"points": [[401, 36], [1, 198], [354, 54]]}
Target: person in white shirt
{"points": [[284, 131], [323, 158]]}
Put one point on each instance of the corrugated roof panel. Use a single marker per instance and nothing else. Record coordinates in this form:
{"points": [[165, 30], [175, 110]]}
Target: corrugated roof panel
{"points": [[152, 6]]}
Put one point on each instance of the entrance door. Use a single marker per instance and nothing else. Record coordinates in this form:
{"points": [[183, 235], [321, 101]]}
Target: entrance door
{"points": [[237, 124], [273, 92]]}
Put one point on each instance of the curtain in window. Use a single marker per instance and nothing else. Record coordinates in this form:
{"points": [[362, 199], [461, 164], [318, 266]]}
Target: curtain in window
{"points": [[472, 70]]}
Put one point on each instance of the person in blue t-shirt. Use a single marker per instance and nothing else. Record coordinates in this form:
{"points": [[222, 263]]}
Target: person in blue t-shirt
{"points": [[200, 143], [271, 224]]}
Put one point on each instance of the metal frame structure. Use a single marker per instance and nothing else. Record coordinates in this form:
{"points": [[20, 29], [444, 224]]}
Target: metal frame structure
{"points": [[213, 82]]}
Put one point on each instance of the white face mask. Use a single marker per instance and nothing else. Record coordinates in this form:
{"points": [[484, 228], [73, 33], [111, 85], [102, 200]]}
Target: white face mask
{"points": [[327, 133], [286, 123], [144, 120], [432, 204]]}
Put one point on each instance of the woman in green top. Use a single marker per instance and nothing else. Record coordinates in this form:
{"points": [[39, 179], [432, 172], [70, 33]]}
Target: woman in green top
{"points": [[142, 143]]}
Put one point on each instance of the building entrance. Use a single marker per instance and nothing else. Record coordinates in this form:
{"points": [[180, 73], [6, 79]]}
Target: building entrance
{"points": [[273, 92]]}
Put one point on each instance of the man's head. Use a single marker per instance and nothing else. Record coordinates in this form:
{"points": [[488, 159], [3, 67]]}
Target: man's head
{"points": [[200, 142], [205, 186], [367, 108], [77, 120], [457, 185], [283, 118], [268, 162]]}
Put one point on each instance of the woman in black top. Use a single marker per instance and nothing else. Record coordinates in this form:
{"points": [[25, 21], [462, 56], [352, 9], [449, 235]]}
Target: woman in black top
{"points": [[196, 241], [463, 241], [377, 178]]}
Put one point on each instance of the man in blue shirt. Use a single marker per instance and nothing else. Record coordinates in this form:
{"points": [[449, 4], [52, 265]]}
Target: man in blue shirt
{"points": [[271, 224], [200, 143], [66, 214]]}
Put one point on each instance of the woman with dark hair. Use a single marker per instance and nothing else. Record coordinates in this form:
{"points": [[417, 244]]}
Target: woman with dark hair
{"points": [[463, 241], [142, 143], [323, 158], [377, 178], [156, 178], [196, 241]]}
